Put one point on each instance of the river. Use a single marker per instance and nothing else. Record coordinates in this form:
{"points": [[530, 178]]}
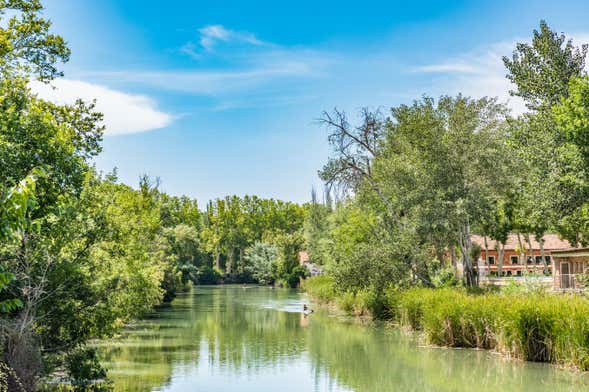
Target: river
{"points": [[230, 338]]}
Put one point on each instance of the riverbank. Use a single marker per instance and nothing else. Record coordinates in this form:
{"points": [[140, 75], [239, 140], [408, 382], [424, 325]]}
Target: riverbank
{"points": [[535, 326]]}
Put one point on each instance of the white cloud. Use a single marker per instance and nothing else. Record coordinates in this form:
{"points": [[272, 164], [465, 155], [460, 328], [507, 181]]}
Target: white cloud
{"points": [[123, 113], [482, 73], [275, 69], [209, 82], [212, 34], [458, 67], [477, 73]]}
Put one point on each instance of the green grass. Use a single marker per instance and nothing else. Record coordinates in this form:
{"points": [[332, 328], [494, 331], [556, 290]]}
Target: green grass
{"points": [[361, 303], [533, 326], [536, 327], [321, 288]]}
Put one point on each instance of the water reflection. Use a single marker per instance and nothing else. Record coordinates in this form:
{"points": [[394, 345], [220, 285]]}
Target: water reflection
{"points": [[257, 339]]}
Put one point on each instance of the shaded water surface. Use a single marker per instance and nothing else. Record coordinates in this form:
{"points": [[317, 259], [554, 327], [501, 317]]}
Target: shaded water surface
{"points": [[230, 338]]}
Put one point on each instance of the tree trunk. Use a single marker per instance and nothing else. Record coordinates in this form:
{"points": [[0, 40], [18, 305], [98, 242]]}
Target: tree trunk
{"points": [[487, 255], [543, 256], [522, 254], [501, 252], [218, 261], [466, 249], [453, 259], [531, 258], [229, 266]]}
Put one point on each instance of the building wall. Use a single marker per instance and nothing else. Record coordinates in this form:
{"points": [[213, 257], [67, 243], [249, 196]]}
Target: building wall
{"points": [[511, 268], [577, 265]]}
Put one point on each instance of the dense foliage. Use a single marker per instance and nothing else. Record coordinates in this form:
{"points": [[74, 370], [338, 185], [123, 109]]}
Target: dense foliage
{"points": [[414, 185], [82, 254], [418, 182]]}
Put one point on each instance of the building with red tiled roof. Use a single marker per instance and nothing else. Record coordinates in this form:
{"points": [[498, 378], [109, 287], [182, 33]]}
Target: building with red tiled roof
{"points": [[516, 257]]}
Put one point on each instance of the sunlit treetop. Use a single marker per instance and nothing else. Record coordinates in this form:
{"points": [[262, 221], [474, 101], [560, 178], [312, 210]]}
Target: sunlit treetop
{"points": [[27, 48]]}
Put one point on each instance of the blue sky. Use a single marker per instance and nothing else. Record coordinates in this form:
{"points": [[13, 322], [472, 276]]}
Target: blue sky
{"points": [[222, 97]]}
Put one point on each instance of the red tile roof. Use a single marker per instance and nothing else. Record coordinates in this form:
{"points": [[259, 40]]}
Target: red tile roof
{"points": [[551, 242]]}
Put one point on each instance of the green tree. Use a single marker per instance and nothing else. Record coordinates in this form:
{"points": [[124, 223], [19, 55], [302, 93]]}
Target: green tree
{"points": [[261, 261], [541, 70], [288, 270], [315, 228], [572, 119], [445, 166], [546, 156], [26, 45], [185, 245]]}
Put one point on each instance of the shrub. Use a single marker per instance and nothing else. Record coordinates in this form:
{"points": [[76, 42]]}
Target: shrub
{"points": [[85, 371], [208, 275], [320, 287], [293, 278], [346, 302]]}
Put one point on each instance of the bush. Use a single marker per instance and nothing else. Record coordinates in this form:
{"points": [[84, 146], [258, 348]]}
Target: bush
{"points": [[445, 277], [85, 373], [293, 278], [360, 303], [320, 287], [260, 262], [208, 275], [346, 302]]}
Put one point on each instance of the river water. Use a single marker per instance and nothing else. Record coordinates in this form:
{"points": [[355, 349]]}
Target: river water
{"points": [[230, 338]]}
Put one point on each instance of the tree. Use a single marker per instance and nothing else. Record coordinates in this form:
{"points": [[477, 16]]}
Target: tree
{"points": [[261, 261], [233, 224], [288, 270], [16, 204], [445, 166], [315, 229], [27, 47], [354, 150], [572, 116], [572, 119], [185, 245], [541, 71]]}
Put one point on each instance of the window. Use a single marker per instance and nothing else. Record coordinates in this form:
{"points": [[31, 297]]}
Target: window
{"points": [[514, 259], [530, 260], [539, 259], [491, 259]]}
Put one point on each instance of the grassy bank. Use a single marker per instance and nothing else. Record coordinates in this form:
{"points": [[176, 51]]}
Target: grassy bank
{"points": [[537, 326], [322, 289]]}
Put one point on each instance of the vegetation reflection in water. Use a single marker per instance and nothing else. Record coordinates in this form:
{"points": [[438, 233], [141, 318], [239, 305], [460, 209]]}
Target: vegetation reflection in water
{"points": [[255, 338]]}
